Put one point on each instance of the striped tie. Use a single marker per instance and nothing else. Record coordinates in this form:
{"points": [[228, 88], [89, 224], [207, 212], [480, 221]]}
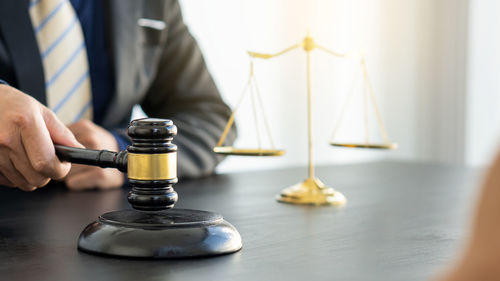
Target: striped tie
{"points": [[64, 58]]}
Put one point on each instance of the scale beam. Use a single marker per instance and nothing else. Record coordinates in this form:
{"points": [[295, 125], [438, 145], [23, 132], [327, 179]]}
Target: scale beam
{"points": [[269, 56]]}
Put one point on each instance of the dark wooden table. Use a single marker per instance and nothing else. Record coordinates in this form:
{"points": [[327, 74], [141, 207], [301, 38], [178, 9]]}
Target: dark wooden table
{"points": [[403, 221]]}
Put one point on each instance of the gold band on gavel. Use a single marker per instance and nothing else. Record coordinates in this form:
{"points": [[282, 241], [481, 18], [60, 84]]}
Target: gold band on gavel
{"points": [[161, 166]]}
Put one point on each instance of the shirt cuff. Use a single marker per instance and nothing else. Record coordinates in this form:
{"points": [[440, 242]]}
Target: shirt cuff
{"points": [[122, 141], [3, 82]]}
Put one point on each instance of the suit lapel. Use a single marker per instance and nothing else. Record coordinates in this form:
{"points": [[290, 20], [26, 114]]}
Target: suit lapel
{"points": [[16, 28]]}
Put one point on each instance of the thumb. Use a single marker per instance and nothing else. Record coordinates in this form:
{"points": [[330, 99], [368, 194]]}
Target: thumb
{"points": [[59, 133]]}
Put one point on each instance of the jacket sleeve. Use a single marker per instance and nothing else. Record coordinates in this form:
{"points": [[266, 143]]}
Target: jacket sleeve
{"points": [[184, 92]]}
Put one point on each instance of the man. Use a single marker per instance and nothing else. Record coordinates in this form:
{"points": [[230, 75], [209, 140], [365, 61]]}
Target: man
{"points": [[64, 63]]}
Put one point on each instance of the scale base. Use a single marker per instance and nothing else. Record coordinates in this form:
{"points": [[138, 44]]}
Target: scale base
{"points": [[173, 233], [311, 192]]}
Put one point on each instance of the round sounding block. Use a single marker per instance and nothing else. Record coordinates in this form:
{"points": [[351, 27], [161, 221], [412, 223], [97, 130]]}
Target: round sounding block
{"points": [[173, 233]]}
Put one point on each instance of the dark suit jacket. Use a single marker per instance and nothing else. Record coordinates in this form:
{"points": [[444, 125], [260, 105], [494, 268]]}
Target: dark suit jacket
{"points": [[162, 70]]}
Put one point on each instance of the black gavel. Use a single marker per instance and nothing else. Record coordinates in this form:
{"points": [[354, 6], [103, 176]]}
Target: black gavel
{"points": [[153, 229], [150, 162]]}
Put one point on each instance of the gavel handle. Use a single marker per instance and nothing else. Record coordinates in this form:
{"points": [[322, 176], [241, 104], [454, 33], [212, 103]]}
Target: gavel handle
{"points": [[101, 158]]}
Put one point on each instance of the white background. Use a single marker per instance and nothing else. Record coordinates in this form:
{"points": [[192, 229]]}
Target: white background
{"points": [[434, 65]]}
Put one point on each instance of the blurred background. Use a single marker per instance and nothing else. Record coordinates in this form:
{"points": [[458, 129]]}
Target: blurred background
{"points": [[434, 65]]}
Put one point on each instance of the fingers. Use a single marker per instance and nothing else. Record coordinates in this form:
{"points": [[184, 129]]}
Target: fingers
{"points": [[5, 182], [12, 177], [81, 126], [29, 131], [78, 169], [58, 132], [86, 132], [39, 147], [75, 128], [22, 165], [94, 177], [86, 179]]}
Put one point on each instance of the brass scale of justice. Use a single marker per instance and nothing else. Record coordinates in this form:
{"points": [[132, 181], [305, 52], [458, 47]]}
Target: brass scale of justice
{"points": [[310, 191]]}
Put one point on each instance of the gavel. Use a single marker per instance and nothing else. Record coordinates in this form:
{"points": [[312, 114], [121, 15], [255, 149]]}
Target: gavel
{"points": [[152, 229], [150, 163]]}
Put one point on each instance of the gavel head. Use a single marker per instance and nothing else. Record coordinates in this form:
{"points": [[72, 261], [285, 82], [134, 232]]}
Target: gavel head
{"points": [[152, 164]]}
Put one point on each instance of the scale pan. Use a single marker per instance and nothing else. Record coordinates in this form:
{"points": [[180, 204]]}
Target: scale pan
{"points": [[229, 150], [367, 145]]}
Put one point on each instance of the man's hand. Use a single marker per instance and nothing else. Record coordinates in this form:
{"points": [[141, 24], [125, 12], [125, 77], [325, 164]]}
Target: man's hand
{"points": [[29, 131], [85, 177]]}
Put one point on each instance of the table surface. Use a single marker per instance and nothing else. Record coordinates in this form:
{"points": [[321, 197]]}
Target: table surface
{"points": [[403, 221]]}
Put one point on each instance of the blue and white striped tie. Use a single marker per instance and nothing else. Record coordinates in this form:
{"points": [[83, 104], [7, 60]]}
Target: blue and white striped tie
{"points": [[64, 58]]}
